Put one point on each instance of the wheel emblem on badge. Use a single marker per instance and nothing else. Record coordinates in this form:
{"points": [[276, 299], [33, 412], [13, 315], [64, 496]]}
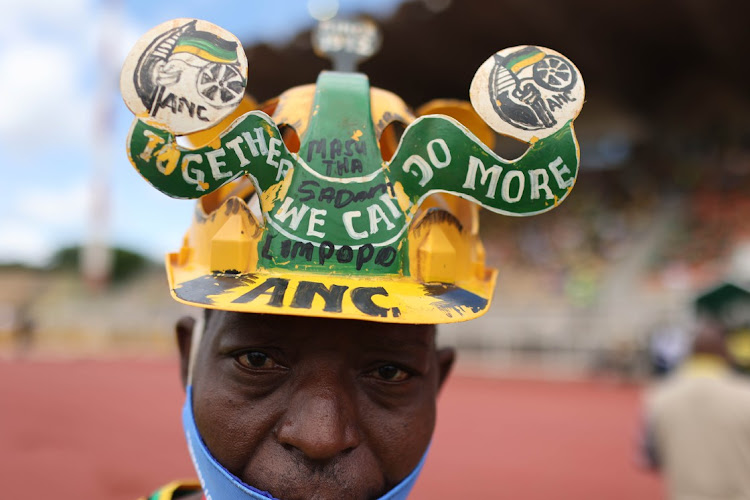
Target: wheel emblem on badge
{"points": [[554, 73], [221, 84]]}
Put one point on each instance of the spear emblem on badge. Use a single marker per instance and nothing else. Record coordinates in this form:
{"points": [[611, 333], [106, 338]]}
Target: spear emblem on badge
{"points": [[150, 65]]}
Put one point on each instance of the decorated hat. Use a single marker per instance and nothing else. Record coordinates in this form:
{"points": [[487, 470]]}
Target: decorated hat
{"points": [[311, 205]]}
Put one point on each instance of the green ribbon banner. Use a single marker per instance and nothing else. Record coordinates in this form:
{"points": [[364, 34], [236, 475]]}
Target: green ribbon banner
{"points": [[436, 154]]}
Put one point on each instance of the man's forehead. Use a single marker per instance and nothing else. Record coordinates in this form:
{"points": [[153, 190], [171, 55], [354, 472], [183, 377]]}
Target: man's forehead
{"points": [[266, 327]]}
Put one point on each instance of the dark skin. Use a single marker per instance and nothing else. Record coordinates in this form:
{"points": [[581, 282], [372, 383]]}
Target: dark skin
{"points": [[314, 408]]}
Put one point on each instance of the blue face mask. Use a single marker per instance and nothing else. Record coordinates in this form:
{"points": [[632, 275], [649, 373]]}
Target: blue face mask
{"points": [[220, 484]]}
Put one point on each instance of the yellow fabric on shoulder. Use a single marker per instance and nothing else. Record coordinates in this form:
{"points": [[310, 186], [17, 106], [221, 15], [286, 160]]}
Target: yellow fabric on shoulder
{"points": [[175, 489], [705, 365]]}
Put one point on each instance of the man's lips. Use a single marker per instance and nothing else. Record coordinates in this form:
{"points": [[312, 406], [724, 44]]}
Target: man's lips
{"points": [[350, 476]]}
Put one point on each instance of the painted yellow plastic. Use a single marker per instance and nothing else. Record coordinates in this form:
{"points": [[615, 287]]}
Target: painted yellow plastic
{"points": [[442, 250], [233, 247], [408, 296], [444, 245], [387, 107], [293, 108], [227, 239], [462, 111], [436, 257], [204, 137]]}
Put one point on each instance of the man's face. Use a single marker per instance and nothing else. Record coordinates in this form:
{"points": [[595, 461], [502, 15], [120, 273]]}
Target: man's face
{"points": [[315, 408]]}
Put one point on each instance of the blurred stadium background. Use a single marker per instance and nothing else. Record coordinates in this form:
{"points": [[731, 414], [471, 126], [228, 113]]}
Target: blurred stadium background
{"points": [[586, 292]]}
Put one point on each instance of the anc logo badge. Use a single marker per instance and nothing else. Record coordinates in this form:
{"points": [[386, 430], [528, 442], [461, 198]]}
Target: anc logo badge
{"points": [[527, 92], [185, 74]]}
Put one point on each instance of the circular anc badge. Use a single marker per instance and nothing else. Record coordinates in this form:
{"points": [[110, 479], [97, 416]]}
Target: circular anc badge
{"points": [[186, 74], [527, 92]]}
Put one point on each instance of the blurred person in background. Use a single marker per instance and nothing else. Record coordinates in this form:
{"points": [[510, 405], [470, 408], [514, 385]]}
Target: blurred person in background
{"points": [[667, 347], [697, 424], [23, 330], [728, 304]]}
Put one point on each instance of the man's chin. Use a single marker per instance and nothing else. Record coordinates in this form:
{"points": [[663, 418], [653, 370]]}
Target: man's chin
{"points": [[323, 491], [302, 483]]}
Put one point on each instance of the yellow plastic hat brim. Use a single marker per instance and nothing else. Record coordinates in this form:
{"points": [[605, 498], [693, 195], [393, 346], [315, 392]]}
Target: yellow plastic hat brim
{"points": [[370, 298]]}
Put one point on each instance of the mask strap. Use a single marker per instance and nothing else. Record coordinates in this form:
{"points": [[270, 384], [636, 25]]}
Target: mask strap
{"points": [[219, 483]]}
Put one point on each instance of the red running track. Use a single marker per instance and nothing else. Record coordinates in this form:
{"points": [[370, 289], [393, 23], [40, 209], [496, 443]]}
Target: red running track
{"points": [[111, 430]]}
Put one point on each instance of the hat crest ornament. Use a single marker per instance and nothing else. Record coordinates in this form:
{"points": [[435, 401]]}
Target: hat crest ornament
{"points": [[336, 205]]}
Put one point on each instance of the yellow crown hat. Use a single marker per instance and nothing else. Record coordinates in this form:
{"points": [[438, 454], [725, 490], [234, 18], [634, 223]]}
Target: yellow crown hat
{"points": [[313, 206]]}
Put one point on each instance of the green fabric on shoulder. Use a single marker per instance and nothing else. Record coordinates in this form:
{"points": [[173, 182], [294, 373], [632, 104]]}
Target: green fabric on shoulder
{"points": [[175, 490]]}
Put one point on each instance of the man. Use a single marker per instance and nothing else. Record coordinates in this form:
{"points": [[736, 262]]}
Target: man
{"points": [[318, 408], [728, 304], [324, 256], [698, 425]]}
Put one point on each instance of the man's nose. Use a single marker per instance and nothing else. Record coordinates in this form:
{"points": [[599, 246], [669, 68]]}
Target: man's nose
{"points": [[320, 422]]}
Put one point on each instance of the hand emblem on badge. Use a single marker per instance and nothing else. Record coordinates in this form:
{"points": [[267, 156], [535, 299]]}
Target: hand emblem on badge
{"points": [[527, 92]]}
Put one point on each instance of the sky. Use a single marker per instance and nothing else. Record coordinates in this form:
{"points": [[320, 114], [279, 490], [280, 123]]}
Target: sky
{"points": [[60, 64]]}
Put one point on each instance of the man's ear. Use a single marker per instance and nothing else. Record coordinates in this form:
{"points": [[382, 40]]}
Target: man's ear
{"points": [[184, 331], [446, 356]]}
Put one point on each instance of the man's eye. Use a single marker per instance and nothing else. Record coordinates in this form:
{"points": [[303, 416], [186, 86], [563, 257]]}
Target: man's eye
{"points": [[256, 360], [391, 373]]}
